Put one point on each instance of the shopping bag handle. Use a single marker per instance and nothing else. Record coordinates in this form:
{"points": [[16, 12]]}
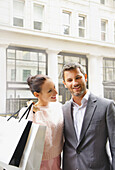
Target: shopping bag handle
{"points": [[13, 115], [27, 111]]}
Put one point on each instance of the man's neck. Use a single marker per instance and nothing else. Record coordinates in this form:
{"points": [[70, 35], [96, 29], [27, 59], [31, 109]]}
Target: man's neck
{"points": [[78, 99]]}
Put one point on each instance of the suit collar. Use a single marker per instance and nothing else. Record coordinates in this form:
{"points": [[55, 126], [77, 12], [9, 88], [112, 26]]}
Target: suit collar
{"points": [[91, 106]]}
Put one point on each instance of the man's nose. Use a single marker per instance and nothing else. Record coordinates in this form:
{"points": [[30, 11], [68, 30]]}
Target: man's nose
{"points": [[75, 82]]}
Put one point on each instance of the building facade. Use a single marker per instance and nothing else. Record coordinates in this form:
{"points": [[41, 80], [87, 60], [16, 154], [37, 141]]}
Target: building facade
{"points": [[40, 36]]}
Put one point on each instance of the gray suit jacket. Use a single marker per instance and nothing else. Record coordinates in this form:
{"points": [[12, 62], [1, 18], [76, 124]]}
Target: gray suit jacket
{"points": [[89, 153]]}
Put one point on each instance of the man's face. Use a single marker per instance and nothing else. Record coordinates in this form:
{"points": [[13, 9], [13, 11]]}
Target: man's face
{"points": [[75, 81]]}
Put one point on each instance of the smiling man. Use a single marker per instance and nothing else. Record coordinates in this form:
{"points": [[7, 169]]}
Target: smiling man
{"points": [[89, 121]]}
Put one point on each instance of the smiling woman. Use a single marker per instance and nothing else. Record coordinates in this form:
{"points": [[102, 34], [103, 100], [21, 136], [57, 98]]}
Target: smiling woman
{"points": [[43, 88], [47, 112]]}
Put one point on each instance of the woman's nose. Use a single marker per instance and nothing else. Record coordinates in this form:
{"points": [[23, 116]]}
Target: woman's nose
{"points": [[55, 91]]}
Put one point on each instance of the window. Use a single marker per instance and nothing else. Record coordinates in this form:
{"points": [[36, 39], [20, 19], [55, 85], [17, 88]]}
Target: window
{"points": [[12, 74], [21, 62], [109, 93], [18, 13], [114, 32], [82, 26], [109, 70], [38, 17], [66, 22], [26, 73], [103, 30], [109, 78], [26, 55], [63, 58], [102, 1]]}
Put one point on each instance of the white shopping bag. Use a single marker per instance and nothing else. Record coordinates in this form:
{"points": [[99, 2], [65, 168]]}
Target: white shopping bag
{"points": [[9, 138], [11, 133], [33, 157]]}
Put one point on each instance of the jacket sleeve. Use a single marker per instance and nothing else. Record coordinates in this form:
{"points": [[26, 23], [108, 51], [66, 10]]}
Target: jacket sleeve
{"points": [[110, 118]]}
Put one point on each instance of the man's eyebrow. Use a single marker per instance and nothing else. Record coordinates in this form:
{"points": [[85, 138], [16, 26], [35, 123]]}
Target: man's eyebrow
{"points": [[69, 78]]}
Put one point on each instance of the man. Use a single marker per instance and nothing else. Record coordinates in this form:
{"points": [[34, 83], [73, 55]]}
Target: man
{"points": [[89, 121]]}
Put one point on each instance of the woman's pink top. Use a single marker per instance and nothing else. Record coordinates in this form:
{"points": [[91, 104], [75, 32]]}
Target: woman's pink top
{"points": [[52, 117]]}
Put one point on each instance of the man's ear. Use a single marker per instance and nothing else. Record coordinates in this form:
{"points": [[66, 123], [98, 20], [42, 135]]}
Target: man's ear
{"points": [[36, 94], [86, 77], [64, 84]]}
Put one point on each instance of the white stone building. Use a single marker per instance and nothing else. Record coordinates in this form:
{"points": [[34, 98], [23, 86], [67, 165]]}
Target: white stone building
{"points": [[39, 36]]}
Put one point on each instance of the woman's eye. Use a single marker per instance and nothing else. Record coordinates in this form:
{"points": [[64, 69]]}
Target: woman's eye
{"points": [[49, 91]]}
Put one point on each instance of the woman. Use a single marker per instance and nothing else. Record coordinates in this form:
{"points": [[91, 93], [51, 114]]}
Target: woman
{"points": [[48, 112]]}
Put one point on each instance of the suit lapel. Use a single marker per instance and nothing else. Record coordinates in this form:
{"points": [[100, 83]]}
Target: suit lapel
{"points": [[70, 124], [91, 105]]}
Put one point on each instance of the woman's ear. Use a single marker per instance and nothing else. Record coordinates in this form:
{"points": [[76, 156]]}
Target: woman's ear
{"points": [[36, 94]]}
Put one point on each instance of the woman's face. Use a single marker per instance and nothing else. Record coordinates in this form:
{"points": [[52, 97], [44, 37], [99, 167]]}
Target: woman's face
{"points": [[48, 93]]}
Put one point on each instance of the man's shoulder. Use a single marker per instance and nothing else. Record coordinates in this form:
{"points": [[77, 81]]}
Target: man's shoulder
{"points": [[101, 100], [67, 104]]}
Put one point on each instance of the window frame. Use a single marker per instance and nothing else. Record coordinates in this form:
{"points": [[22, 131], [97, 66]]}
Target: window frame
{"points": [[104, 31], [82, 27], [15, 87], [39, 20], [19, 17], [105, 68], [102, 2], [114, 31], [69, 22]]}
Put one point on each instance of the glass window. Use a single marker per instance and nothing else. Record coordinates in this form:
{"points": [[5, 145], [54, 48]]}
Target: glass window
{"points": [[102, 1], [103, 30], [114, 32], [109, 70], [109, 93], [42, 57], [10, 69], [18, 13], [109, 78], [66, 22], [26, 73], [21, 63], [13, 74], [82, 26], [38, 16], [10, 54]]}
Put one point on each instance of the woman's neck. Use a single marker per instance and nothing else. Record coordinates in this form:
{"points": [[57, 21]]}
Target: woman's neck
{"points": [[39, 103]]}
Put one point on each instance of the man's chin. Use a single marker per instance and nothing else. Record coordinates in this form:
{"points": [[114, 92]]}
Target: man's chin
{"points": [[78, 94]]}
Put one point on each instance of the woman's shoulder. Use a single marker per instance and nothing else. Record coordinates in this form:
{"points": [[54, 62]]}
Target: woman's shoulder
{"points": [[55, 104]]}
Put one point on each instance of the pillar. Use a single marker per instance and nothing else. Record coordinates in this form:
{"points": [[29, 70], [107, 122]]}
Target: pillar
{"points": [[3, 78], [95, 76], [53, 66]]}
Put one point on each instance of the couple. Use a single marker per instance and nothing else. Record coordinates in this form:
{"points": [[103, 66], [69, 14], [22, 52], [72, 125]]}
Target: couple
{"points": [[87, 122]]}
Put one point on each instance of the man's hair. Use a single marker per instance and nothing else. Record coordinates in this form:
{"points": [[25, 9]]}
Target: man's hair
{"points": [[72, 66]]}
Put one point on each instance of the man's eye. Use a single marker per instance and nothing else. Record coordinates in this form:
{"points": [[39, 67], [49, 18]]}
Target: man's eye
{"points": [[78, 77], [69, 80]]}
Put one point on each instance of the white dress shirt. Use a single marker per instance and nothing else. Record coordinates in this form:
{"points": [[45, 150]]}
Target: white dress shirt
{"points": [[78, 114]]}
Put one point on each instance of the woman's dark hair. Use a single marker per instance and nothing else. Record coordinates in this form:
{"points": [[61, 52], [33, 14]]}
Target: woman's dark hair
{"points": [[35, 82]]}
